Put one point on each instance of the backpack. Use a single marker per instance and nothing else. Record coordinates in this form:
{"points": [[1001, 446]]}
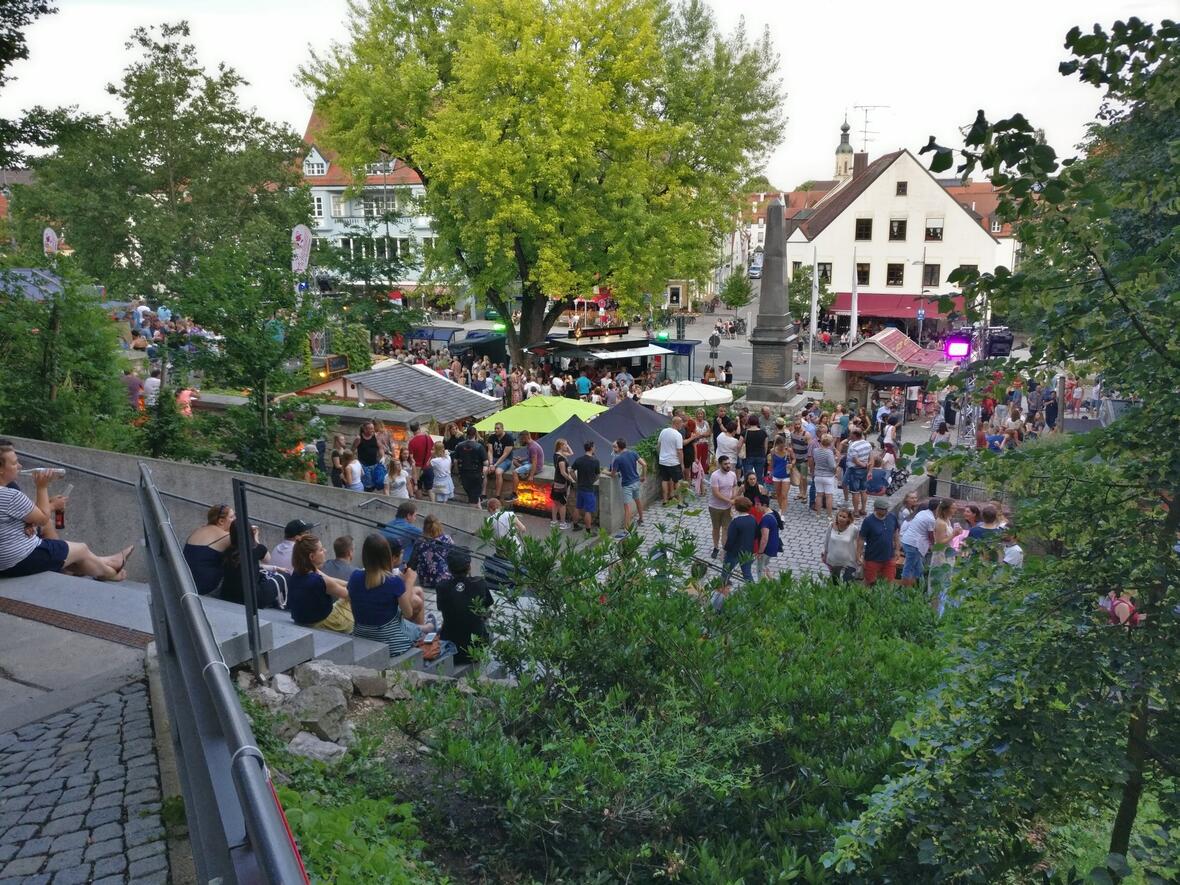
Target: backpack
{"points": [[272, 589]]}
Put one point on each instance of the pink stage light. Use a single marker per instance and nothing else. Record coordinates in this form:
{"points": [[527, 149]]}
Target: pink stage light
{"points": [[957, 347]]}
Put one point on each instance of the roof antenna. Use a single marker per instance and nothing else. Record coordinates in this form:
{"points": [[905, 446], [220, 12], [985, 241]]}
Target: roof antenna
{"points": [[865, 131]]}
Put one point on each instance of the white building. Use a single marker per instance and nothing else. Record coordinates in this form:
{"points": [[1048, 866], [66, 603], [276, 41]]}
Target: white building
{"points": [[354, 222], [899, 230]]}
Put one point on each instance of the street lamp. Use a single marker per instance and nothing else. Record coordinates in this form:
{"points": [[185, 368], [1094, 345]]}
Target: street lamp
{"points": [[922, 307]]}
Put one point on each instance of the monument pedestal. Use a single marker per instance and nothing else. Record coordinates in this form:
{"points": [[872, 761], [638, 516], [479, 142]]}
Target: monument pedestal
{"points": [[771, 362]]}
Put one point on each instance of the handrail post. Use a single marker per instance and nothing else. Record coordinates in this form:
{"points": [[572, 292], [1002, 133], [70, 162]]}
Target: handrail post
{"points": [[249, 573]]}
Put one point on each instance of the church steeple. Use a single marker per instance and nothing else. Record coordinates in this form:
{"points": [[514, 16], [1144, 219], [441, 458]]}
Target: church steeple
{"points": [[844, 152]]}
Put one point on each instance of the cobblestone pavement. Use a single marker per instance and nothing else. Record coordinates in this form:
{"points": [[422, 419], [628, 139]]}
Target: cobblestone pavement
{"points": [[80, 796], [803, 533]]}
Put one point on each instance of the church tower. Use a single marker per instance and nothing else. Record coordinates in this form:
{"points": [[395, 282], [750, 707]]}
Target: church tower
{"points": [[844, 153]]}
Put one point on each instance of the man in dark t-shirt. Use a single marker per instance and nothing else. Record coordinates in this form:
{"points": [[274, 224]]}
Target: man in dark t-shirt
{"points": [[464, 603], [879, 542], [501, 444], [586, 470], [471, 458]]}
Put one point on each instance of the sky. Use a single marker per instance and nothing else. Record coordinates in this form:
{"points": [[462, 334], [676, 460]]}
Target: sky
{"points": [[933, 64]]}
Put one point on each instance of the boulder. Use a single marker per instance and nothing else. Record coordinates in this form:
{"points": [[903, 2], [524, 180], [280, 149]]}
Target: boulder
{"points": [[367, 682], [320, 709], [285, 685], [412, 678], [396, 691], [323, 673], [268, 697], [306, 744]]}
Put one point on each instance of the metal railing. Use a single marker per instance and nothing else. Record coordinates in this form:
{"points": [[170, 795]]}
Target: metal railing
{"points": [[236, 825]]}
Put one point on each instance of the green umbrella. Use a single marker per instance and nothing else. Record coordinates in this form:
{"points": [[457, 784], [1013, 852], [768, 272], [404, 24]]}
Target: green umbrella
{"points": [[540, 414]]}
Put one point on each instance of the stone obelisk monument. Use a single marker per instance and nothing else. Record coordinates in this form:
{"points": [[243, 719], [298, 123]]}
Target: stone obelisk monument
{"points": [[773, 334]]}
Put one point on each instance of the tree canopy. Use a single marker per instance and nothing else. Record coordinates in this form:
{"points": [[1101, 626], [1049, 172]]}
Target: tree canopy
{"points": [[563, 145], [183, 167]]}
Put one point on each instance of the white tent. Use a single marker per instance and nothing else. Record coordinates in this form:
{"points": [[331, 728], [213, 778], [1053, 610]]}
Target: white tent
{"points": [[684, 394]]}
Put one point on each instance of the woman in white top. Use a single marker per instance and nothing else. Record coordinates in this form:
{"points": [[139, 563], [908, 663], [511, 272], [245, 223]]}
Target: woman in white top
{"points": [[398, 483], [444, 485], [942, 555], [839, 553], [351, 471]]}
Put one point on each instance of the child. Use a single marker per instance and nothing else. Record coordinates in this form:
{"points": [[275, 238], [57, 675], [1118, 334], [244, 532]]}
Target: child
{"points": [[878, 478], [1013, 552], [397, 485]]}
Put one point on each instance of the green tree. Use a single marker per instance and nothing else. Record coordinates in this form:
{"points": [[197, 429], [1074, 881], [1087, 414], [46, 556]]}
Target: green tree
{"points": [[799, 294], [1053, 714], [736, 291], [141, 196], [563, 145], [758, 184]]}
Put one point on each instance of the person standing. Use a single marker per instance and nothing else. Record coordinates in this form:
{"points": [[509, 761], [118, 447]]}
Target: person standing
{"points": [[755, 441], [878, 543], [780, 470], [631, 470], [370, 455], [823, 467], [916, 537], [586, 470], [840, 547], [337, 461], [800, 447], [860, 456], [134, 388], [670, 444], [559, 491], [151, 389], [471, 457], [443, 485], [770, 541], [729, 444], [722, 491], [421, 447], [741, 538]]}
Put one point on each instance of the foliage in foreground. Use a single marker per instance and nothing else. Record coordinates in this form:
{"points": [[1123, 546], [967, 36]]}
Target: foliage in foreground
{"points": [[651, 737]]}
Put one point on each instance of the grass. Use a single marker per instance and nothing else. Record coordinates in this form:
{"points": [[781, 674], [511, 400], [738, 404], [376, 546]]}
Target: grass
{"points": [[1083, 843]]}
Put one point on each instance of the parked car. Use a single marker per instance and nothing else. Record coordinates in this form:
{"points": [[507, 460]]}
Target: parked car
{"points": [[756, 271]]}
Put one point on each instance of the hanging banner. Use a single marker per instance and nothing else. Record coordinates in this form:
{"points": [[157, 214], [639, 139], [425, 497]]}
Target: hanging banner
{"points": [[49, 241], [300, 247]]}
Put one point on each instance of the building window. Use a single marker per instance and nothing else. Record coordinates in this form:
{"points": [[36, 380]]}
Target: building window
{"points": [[317, 207], [376, 207], [862, 274], [315, 167], [346, 245], [674, 295], [902, 188], [339, 206], [795, 265], [931, 274], [934, 230], [864, 228], [897, 229], [428, 244], [379, 168], [895, 275], [966, 267], [825, 272], [997, 225]]}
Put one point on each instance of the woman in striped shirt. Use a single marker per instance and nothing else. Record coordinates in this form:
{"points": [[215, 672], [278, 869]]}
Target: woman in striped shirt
{"points": [[386, 607]]}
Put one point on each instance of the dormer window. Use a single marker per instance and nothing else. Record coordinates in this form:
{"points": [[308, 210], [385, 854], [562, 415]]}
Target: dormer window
{"points": [[314, 167]]}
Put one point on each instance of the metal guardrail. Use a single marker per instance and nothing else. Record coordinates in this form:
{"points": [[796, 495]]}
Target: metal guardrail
{"points": [[238, 832]]}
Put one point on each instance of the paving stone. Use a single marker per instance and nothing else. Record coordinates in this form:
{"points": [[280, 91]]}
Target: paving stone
{"points": [[62, 825], [141, 851], [104, 849], [18, 834], [74, 876], [147, 866], [160, 878], [24, 866], [101, 816], [40, 845], [106, 800], [152, 795], [102, 788], [77, 839], [64, 860], [110, 866], [8, 852], [36, 815], [140, 783], [65, 808], [109, 880]]}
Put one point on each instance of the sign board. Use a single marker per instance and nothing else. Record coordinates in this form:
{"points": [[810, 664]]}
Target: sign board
{"points": [[598, 332], [921, 314], [49, 241], [300, 247]]}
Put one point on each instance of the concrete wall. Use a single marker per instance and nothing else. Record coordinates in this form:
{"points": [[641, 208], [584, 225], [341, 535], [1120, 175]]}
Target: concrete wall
{"points": [[106, 515]]}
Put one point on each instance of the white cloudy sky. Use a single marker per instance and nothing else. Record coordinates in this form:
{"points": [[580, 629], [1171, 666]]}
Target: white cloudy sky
{"points": [[934, 62]]}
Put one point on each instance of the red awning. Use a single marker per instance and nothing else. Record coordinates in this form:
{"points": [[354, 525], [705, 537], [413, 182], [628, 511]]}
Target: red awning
{"points": [[897, 307], [869, 366]]}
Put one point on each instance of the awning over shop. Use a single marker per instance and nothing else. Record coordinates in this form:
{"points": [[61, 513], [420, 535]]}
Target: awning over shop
{"points": [[646, 350], [873, 366], [887, 306], [434, 333]]}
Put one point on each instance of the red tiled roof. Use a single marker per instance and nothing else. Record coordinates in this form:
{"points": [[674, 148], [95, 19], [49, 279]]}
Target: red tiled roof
{"points": [[338, 176], [907, 351], [830, 208], [982, 198], [868, 366], [898, 307], [793, 201]]}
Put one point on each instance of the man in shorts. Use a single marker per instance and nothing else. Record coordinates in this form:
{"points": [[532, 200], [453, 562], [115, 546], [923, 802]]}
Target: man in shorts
{"points": [[586, 470], [630, 469], [671, 458], [856, 474], [501, 445], [878, 543], [723, 489], [530, 462]]}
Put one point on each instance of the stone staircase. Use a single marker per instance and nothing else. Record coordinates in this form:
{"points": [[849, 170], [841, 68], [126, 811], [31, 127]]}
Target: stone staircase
{"points": [[127, 605]]}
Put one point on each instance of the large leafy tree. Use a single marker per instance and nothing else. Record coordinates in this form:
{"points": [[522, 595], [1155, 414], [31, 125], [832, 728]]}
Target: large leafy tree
{"points": [[182, 168], [563, 144], [1054, 714]]}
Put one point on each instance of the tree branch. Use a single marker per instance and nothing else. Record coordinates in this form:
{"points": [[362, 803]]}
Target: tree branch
{"points": [[1135, 321]]}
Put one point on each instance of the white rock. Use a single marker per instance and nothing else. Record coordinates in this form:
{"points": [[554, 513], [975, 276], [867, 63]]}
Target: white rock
{"points": [[320, 709], [307, 744], [285, 685], [323, 673], [366, 681]]}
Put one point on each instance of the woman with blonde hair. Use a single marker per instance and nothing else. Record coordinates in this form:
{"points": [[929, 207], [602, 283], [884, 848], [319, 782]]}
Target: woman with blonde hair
{"points": [[443, 486], [562, 480], [430, 553], [313, 598]]}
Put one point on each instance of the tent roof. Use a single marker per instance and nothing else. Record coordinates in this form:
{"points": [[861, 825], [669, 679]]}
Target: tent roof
{"points": [[577, 433], [629, 420], [539, 414]]}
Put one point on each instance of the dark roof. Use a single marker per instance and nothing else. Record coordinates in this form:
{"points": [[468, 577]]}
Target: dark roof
{"points": [[836, 202], [421, 389], [630, 420], [577, 433]]}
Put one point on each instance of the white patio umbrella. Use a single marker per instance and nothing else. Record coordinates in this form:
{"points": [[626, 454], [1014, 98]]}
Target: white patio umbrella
{"points": [[684, 394]]}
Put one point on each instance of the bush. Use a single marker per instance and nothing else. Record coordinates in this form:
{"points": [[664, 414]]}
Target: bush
{"points": [[651, 737]]}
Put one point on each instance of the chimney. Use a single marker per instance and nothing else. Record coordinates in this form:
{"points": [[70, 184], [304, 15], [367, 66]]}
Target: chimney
{"points": [[860, 162]]}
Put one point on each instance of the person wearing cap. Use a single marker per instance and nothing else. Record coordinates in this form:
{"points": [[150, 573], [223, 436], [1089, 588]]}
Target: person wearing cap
{"points": [[464, 602], [878, 543], [280, 557]]}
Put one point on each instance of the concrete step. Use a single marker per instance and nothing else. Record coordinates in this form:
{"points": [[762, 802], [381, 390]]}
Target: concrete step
{"points": [[125, 604]]}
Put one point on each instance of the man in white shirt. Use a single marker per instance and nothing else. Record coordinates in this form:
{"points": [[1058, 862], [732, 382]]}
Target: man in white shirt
{"points": [[916, 536], [671, 458], [280, 557], [723, 488], [151, 389], [728, 442]]}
